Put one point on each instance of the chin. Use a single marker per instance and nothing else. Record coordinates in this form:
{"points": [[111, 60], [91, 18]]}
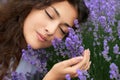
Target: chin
{"points": [[39, 45], [34, 46]]}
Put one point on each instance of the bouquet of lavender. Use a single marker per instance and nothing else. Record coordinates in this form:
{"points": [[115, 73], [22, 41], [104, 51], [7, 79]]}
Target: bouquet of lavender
{"points": [[71, 47]]}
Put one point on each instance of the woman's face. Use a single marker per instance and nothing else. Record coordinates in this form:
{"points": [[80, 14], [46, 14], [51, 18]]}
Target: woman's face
{"points": [[42, 26]]}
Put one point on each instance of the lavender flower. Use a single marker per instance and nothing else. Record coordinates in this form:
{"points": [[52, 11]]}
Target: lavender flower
{"points": [[37, 58], [59, 47], [18, 76], [77, 25], [118, 29], [71, 47], [117, 7], [100, 8], [116, 49], [114, 72], [102, 16], [102, 20], [82, 75], [68, 77], [106, 50]]}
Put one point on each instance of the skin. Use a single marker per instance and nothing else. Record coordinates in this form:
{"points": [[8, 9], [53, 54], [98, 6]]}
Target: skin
{"points": [[69, 66], [42, 26], [38, 22]]}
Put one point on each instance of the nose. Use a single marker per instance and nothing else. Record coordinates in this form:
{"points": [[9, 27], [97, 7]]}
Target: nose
{"points": [[51, 28]]}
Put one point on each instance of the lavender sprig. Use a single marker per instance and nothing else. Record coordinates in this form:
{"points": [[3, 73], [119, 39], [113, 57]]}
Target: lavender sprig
{"points": [[18, 76], [67, 76], [72, 46], [82, 74], [37, 58], [114, 72]]}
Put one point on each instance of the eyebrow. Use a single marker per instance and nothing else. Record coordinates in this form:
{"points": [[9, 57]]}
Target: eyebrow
{"points": [[66, 24]]}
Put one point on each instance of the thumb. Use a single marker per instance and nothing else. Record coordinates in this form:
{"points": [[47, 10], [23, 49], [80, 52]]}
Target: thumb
{"points": [[73, 61]]}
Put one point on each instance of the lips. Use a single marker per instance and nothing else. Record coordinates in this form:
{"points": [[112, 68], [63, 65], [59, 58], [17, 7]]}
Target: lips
{"points": [[41, 37]]}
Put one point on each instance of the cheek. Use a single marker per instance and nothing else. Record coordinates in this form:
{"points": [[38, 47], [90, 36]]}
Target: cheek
{"points": [[38, 19], [58, 35]]}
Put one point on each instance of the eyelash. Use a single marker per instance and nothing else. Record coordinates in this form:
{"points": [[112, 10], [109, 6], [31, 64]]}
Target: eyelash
{"points": [[48, 14], [62, 30], [52, 18]]}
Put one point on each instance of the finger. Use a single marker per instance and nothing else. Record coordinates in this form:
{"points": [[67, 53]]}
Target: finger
{"points": [[72, 61], [86, 55], [84, 66], [72, 72], [85, 60], [88, 66], [76, 75]]}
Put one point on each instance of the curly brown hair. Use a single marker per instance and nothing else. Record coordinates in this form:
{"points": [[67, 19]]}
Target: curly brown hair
{"points": [[12, 16]]}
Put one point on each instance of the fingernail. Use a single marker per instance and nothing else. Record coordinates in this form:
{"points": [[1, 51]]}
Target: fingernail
{"points": [[88, 51], [79, 58], [90, 62]]}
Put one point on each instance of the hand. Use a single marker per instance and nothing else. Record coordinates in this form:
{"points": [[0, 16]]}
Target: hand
{"points": [[69, 66]]}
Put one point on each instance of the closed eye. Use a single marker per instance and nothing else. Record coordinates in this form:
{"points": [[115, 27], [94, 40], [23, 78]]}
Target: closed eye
{"points": [[48, 14], [62, 30]]}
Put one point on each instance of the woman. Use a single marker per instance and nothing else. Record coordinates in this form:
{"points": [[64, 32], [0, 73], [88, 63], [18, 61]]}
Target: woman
{"points": [[38, 22]]}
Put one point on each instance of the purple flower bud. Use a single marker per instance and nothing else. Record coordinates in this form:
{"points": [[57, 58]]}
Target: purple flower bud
{"points": [[67, 76], [114, 72], [116, 49], [76, 21]]}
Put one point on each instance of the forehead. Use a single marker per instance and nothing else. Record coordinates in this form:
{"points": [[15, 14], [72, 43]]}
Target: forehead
{"points": [[67, 12]]}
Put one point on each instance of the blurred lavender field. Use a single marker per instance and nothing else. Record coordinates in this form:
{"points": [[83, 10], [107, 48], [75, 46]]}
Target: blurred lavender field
{"points": [[101, 34]]}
